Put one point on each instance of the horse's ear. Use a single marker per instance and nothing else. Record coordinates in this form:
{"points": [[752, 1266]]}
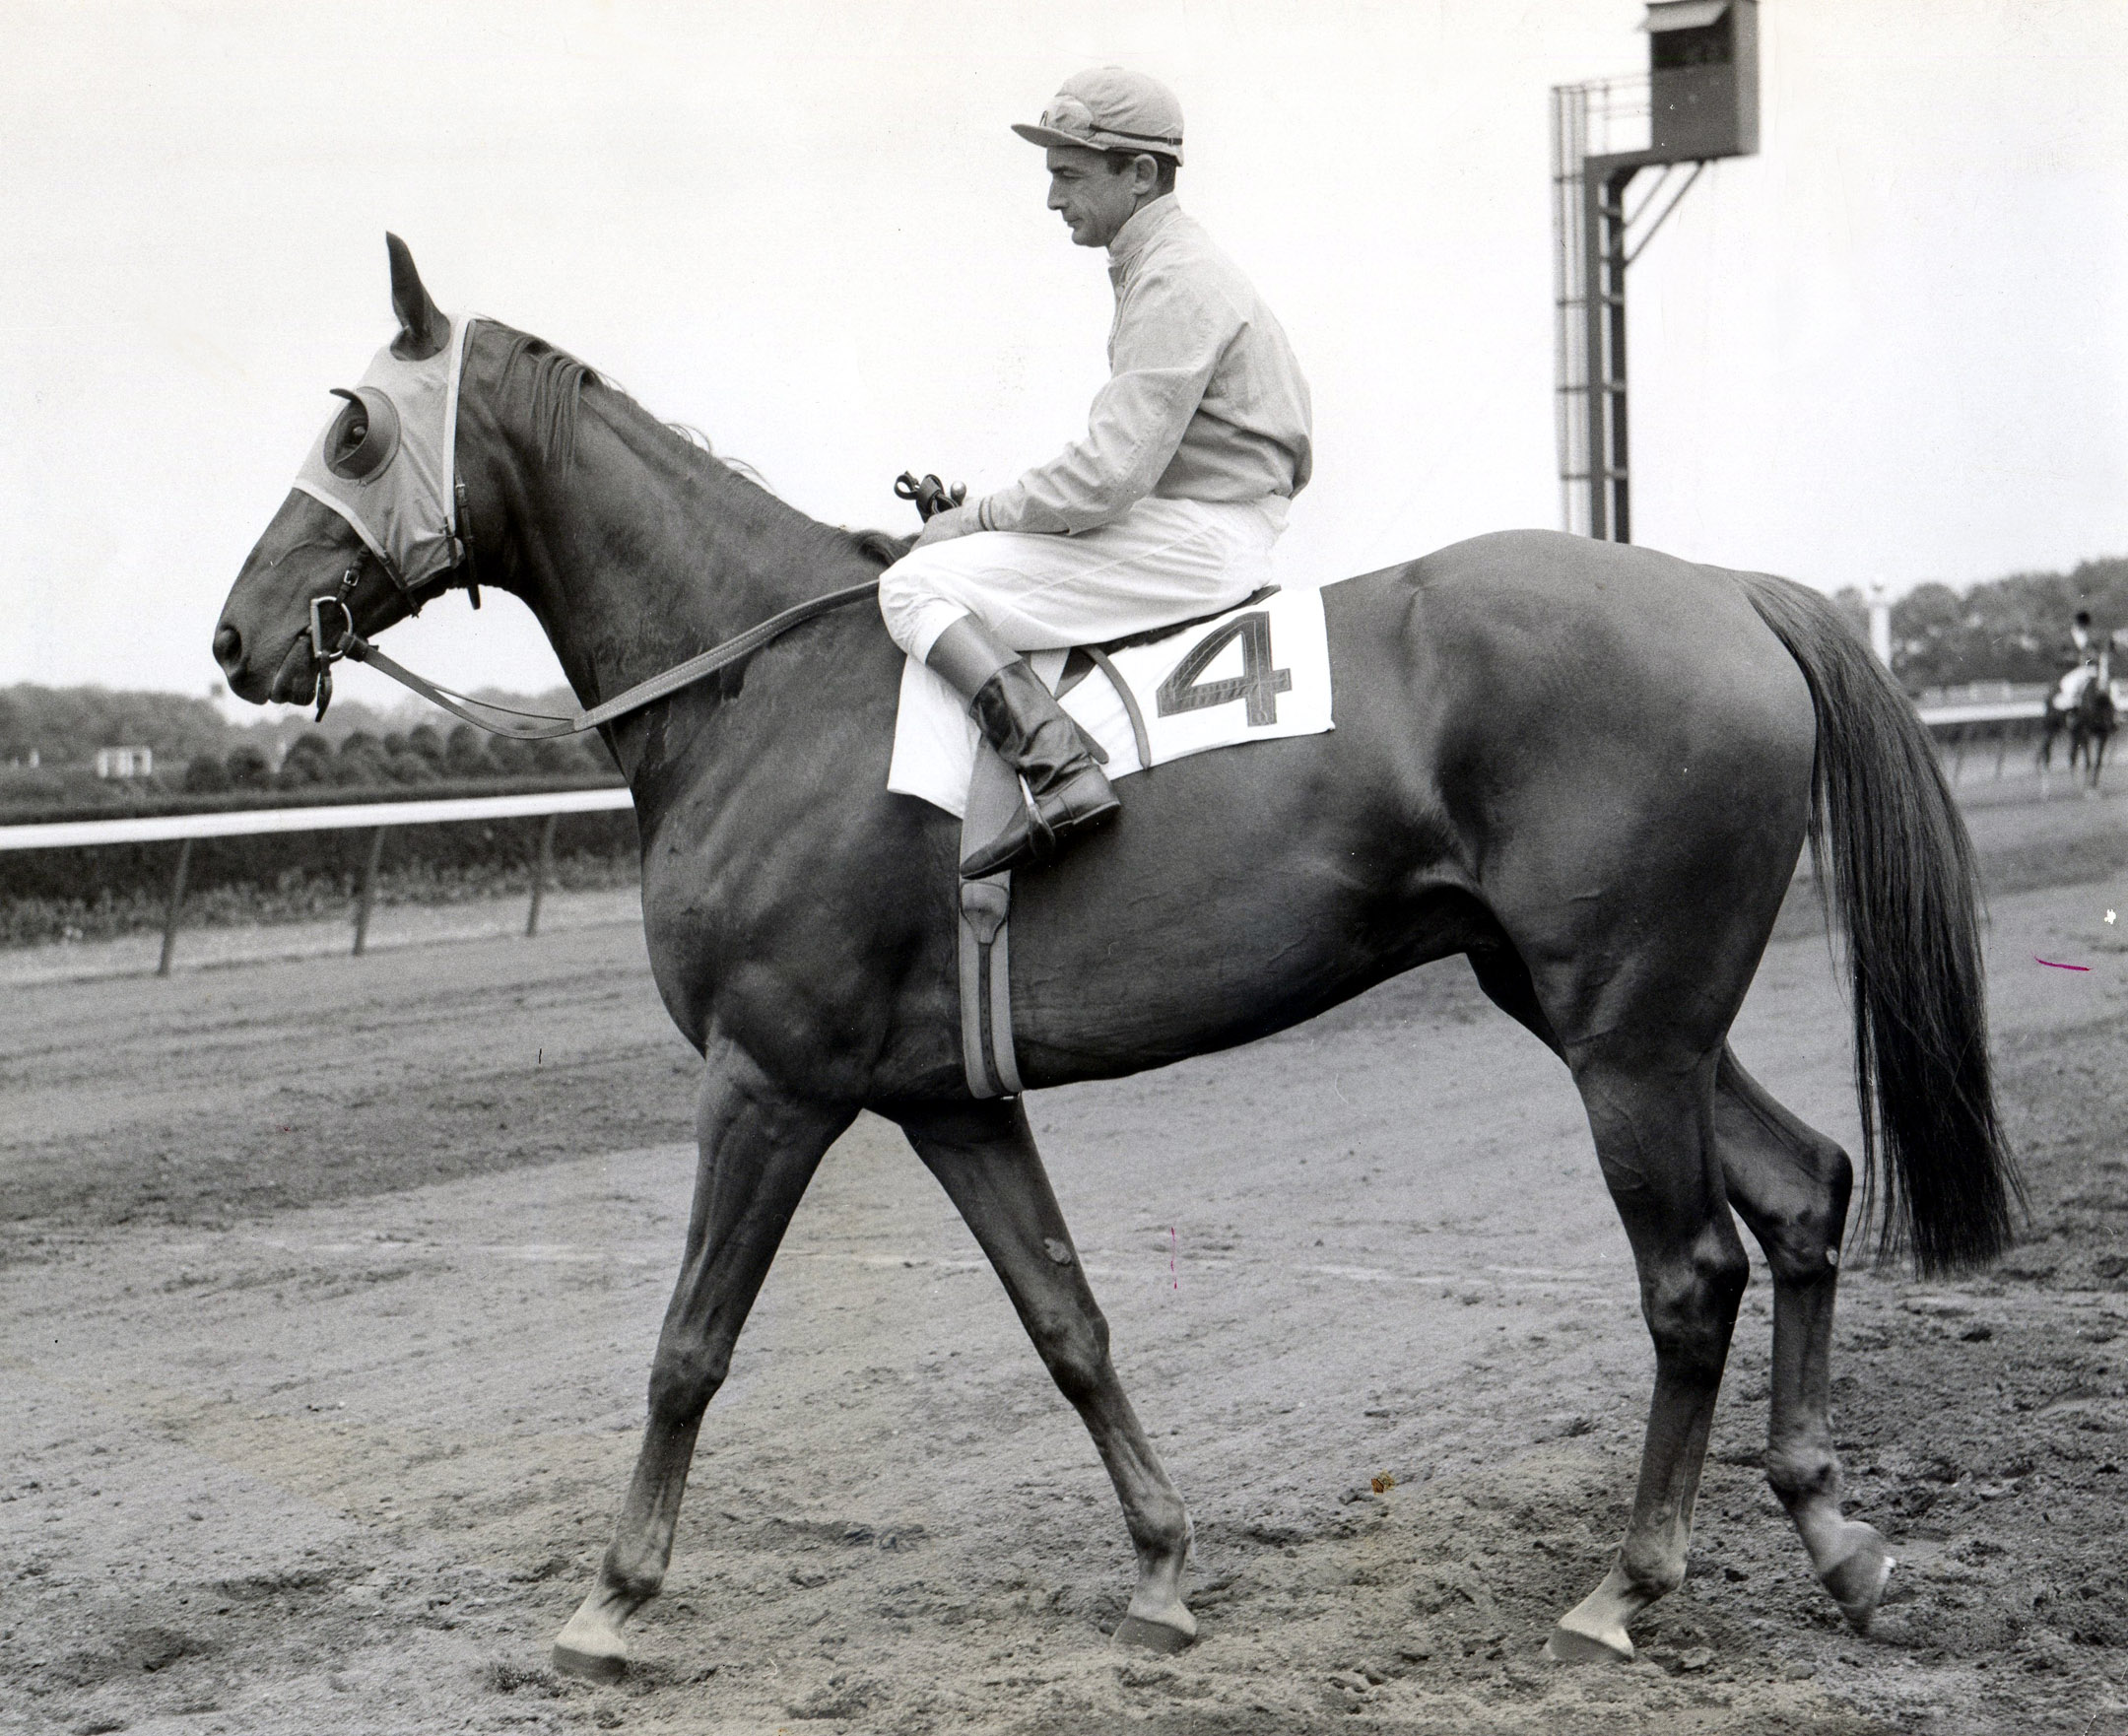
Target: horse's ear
{"points": [[423, 330]]}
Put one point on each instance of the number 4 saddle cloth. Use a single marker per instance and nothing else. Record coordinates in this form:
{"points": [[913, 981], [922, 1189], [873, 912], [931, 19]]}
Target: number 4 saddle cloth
{"points": [[1256, 673]]}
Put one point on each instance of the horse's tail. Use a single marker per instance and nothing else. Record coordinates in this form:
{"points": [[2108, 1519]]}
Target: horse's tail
{"points": [[1891, 851]]}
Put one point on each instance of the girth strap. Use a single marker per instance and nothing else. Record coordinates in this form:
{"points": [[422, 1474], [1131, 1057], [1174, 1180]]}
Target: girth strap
{"points": [[987, 1053]]}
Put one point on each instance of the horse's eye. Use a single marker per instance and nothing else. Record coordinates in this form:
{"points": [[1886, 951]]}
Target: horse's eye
{"points": [[364, 435]]}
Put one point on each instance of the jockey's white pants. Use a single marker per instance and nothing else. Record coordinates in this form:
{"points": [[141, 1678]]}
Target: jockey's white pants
{"points": [[1160, 563]]}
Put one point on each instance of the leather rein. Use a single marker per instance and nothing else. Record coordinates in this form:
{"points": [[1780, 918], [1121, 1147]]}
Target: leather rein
{"points": [[326, 648], [532, 726]]}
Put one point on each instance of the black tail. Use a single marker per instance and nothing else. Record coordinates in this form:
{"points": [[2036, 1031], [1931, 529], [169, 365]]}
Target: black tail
{"points": [[1890, 852]]}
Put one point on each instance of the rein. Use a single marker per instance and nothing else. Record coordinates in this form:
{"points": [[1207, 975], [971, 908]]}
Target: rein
{"points": [[546, 725]]}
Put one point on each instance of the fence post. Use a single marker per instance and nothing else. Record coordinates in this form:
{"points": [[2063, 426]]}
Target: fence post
{"points": [[366, 898], [539, 872], [177, 903]]}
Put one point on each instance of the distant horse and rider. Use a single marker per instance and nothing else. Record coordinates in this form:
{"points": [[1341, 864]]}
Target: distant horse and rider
{"points": [[2085, 705], [1588, 769]]}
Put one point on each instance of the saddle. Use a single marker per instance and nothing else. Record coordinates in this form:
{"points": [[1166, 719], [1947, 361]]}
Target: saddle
{"points": [[1173, 668], [987, 1053]]}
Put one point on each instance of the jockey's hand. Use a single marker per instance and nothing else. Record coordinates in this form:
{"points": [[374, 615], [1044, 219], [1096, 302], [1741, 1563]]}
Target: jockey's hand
{"points": [[943, 527]]}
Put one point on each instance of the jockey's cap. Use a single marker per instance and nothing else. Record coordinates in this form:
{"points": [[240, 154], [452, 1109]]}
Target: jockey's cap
{"points": [[1108, 109]]}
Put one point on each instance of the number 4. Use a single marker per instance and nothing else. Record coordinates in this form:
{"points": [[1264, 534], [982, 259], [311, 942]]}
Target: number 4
{"points": [[1258, 683]]}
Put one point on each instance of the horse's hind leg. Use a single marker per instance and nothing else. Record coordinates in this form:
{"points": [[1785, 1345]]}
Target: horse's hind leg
{"points": [[1652, 1136], [984, 1157], [759, 1147], [1789, 1183], [1653, 1121]]}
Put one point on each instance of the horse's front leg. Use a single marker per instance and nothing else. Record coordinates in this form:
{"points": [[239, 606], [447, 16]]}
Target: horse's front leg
{"points": [[759, 1147], [984, 1157]]}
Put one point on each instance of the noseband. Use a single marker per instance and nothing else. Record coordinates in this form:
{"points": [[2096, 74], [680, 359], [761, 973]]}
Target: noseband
{"points": [[328, 648]]}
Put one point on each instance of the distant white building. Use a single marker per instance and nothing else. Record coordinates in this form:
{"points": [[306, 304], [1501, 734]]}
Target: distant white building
{"points": [[124, 761]]}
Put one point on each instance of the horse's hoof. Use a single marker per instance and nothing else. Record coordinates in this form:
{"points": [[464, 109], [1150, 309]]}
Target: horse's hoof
{"points": [[589, 1666], [1857, 1581], [1569, 1646], [1153, 1635]]}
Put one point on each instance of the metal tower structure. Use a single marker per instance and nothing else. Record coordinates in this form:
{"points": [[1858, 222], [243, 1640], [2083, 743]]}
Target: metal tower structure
{"points": [[1698, 102]]}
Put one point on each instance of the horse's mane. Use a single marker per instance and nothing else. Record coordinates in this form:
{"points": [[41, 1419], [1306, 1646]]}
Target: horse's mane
{"points": [[556, 381]]}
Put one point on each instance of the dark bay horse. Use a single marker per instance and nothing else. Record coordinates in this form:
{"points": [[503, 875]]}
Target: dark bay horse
{"points": [[2088, 719], [1587, 769], [2092, 720]]}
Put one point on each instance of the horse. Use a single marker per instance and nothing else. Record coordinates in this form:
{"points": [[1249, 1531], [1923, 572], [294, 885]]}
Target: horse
{"points": [[2091, 722], [1588, 768], [2087, 717]]}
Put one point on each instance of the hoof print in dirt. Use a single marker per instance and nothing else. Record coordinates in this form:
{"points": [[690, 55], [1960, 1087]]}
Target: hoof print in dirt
{"points": [[839, 1698]]}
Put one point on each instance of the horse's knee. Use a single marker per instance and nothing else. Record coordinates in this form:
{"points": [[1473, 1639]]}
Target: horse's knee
{"points": [[684, 1377], [1073, 1349], [1690, 1305]]}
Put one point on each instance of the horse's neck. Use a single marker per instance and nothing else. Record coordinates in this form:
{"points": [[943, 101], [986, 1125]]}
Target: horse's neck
{"points": [[632, 549]]}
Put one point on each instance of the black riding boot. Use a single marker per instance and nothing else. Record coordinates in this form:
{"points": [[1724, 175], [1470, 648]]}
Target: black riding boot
{"points": [[1063, 789]]}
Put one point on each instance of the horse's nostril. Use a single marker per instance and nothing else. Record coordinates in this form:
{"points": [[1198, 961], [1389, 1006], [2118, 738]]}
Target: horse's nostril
{"points": [[227, 646]]}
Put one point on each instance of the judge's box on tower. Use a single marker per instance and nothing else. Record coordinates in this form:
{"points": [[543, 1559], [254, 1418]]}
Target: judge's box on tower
{"points": [[1704, 79]]}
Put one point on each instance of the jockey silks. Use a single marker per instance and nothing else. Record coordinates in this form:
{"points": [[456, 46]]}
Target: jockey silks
{"points": [[1205, 400]]}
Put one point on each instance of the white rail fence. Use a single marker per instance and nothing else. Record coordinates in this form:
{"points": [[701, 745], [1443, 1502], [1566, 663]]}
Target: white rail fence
{"points": [[1956, 722], [1956, 725], [378, 817]]}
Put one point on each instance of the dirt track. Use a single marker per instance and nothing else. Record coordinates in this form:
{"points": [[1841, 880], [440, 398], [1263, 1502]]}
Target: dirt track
{"points": [[331, 1287]]}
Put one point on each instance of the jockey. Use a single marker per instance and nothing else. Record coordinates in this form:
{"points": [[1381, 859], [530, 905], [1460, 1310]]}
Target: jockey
{"points": [[1166, 509], [2084, 663]]}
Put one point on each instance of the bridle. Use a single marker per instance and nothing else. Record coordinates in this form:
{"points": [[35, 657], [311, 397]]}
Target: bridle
{"points": [[333, 633], [328, 648]]}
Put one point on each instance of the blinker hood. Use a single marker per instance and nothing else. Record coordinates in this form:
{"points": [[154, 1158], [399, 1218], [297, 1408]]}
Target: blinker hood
{"points": [[398, 483]]}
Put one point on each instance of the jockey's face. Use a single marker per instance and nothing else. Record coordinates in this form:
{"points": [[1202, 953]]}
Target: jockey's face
{"points": [[1094, 196]]}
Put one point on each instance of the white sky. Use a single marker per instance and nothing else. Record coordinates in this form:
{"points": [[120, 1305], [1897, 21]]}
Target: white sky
{"points": [[1895, 345]]}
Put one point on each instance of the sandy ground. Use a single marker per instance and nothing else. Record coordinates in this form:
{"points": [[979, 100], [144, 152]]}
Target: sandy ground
{"points": [[331, 1285]]}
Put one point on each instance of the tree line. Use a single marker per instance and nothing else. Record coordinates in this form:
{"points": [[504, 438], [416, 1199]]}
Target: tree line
{"points": [[361, 758], [49, 736], [2014, 628]]}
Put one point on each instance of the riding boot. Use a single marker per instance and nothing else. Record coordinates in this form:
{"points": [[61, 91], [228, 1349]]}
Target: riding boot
{"points": [[1063, 790]]}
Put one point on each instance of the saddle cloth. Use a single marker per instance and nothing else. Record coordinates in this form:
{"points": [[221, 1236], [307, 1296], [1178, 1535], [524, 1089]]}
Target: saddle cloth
{"points": [[1256, 673]]}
